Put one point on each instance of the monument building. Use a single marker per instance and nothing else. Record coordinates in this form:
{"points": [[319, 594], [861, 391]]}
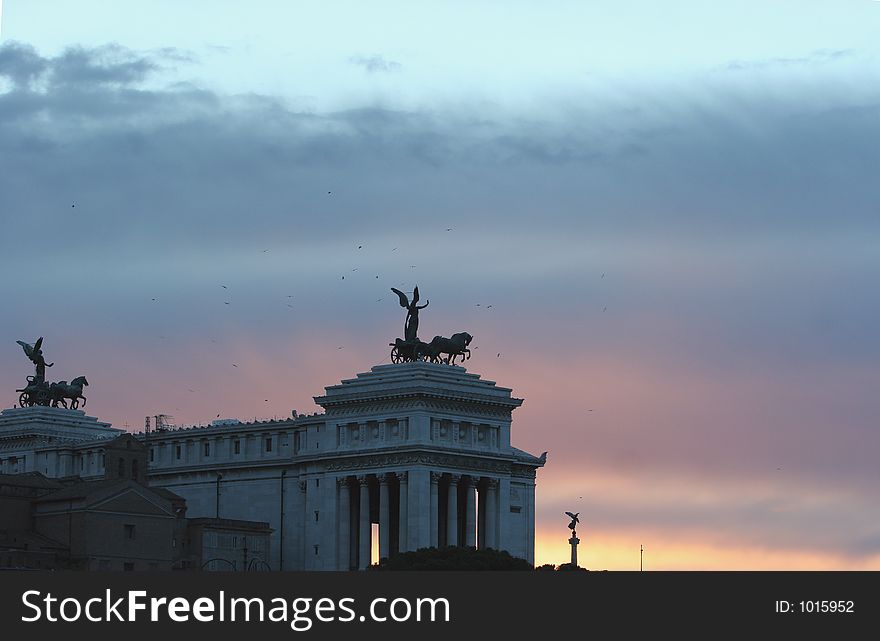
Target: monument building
{"points": [[407, 455]]}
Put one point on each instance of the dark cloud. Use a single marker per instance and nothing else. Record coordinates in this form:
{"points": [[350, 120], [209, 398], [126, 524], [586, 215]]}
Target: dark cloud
{"points": [[21, 63], [375, 64]]}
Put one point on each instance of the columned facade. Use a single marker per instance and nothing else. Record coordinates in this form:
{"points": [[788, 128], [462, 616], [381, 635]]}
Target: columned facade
{"points": [[421, 450]]}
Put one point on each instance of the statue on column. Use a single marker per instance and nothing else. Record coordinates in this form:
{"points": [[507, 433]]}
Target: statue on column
{"points": [[574, 540], [574, 521]]}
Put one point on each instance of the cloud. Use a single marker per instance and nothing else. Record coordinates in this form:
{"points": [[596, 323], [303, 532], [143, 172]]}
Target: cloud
{"points": [[21, 63], [732, 334], [817, 57], [375, 64]]}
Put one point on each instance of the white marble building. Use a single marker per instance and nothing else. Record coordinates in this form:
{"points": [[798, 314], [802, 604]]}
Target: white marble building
{"points": [[421, 450]]}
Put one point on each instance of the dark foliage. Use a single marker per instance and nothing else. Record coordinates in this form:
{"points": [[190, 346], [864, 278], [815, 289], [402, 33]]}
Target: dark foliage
{"points": [[454, 558]]}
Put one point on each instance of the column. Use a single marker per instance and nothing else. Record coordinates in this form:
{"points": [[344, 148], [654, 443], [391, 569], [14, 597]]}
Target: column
{"points": [[505, 542], [301, 525], [403, 530], [452, 511], [384, 517], [435, 509], [470, 520], [491, 513], [344, 524], [364, 533], [418, 489]]}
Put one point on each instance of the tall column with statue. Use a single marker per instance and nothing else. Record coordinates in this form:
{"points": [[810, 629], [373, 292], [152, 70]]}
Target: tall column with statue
{"points": [[574, 540]]}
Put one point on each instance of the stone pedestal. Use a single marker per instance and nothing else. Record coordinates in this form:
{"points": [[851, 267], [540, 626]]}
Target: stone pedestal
{"points": [[573, 541]]}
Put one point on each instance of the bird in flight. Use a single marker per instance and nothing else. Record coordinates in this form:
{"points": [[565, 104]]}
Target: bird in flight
{"points": [[234, 365], [359, 246], [499, 355], [224, 286]]}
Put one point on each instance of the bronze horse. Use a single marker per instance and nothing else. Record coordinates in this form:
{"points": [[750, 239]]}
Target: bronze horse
{"points": [[456, 345], [64, 390]]}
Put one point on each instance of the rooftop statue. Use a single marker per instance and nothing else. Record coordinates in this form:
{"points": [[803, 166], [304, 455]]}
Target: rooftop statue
{"points": [[39, 392], [411, 326], [412, 348], [574, 521], [35, 354]]}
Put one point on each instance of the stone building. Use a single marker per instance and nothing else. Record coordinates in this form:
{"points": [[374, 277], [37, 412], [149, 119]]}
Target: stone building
{"points": [[408, 455]]}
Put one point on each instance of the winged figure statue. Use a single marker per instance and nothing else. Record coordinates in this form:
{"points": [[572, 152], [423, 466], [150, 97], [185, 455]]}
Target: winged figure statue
{"points": [[35, 354], [574, 520], [411, 326]]}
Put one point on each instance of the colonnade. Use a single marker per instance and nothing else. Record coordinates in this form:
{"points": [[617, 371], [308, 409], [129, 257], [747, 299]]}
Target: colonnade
{"points": [[446, 509]]}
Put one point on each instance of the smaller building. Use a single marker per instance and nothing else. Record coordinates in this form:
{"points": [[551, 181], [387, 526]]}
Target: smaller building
{"points": [[114, 524], [227, 545]]}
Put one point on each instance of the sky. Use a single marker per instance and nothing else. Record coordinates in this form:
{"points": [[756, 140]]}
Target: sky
{"points": [[659, 221]]}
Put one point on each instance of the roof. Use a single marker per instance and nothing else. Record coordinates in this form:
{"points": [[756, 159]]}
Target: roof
{"points": [[29, 479], [166, 494]]}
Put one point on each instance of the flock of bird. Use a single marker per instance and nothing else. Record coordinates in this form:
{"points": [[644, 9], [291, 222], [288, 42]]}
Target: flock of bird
{"points": [[290, 297]]}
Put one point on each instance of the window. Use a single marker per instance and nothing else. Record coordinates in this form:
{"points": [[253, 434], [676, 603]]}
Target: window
{"points": [[134, 468], [129, 530], [317, 482], [316, 515], [152, 454], [316, 549], [177, 451], [269, 444], [236, 446], [207, 449], [120, 468], [81, 462]]}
